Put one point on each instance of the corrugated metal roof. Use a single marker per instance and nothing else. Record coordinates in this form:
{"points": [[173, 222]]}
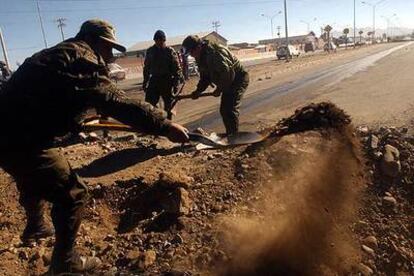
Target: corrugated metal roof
{"points": [[171, 41]]}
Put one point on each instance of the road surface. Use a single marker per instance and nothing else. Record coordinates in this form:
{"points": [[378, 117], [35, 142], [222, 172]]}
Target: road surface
{"points": [[365, 87]]}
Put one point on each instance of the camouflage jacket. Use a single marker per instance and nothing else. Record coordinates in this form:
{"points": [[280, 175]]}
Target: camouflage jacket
{"points": [[218, 66], [50, 91], [162, 63]]}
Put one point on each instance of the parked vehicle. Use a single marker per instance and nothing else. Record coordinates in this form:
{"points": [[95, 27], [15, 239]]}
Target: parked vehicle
{"points": [[116, 72], [192, 67], [330, 47], [287, 52]]}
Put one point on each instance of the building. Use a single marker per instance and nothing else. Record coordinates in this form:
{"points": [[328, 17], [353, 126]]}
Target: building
{"points": [[140, 48], [297, 41], [134, 65]]}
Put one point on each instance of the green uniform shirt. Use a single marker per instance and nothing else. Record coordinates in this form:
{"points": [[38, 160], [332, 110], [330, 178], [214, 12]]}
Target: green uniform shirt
{"points": [[161, 62], [218, 66], [50, 91]]}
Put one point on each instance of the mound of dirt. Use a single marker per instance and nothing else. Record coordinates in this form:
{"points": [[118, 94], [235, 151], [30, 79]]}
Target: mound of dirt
{"points": [[313, 117]]}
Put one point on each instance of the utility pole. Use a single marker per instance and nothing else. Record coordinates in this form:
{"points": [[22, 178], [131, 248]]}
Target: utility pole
{"points": [[61, 24], [271, 17], [286, 23], [278, 31], [216, 25], [354, 23], [3, 46], [374, 10], [388, 19], [41, 23]]}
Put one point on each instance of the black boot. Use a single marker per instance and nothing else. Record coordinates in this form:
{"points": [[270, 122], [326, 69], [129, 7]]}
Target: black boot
{"points": [[36, 228], [75, 265]]}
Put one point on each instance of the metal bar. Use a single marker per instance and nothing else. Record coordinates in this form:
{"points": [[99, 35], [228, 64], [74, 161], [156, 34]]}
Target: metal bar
{"points": [[3, 46]]}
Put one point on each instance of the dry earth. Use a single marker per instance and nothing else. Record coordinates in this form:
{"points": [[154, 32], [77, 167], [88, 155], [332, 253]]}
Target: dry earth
{"points": [[325, 199]]}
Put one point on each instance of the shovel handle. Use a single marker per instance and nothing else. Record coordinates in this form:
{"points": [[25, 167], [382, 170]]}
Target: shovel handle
{"points": [[189, 96]]}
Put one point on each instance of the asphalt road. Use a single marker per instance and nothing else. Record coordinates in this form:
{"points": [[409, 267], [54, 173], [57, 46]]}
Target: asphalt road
{"points": [[260, 105]]}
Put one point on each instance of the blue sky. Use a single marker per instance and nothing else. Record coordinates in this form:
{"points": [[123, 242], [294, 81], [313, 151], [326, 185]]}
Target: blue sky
{"points": [[135, 20]]}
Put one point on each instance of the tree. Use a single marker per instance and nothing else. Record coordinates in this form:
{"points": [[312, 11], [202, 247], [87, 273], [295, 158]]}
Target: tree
{"points": [[371, 34], [346, 32], [360, 36], [328, 29]]}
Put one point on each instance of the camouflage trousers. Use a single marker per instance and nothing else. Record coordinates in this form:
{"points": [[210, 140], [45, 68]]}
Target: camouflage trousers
{"points": [[160, 87], [45, 175], [231, 102]]}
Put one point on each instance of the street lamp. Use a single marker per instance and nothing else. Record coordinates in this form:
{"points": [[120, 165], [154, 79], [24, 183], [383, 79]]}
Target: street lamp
{"points": [[271, 17], [374, 8], [388, 19]]}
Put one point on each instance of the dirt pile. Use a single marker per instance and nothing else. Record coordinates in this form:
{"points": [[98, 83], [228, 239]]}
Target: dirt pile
{"points": [[386, 227], [307, 187], [312, 117]]}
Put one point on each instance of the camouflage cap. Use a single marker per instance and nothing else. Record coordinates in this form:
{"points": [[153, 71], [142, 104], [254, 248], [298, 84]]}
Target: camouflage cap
{"points": [[190, 42], [103, 30]]}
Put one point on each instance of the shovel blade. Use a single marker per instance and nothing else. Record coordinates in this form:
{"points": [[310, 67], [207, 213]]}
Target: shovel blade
{"points": [[214, 141]]}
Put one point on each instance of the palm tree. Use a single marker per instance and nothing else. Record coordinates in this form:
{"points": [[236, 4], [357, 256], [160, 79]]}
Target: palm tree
{"points": [[328, 30], [346, 32], [372, 36], [360, 36]]}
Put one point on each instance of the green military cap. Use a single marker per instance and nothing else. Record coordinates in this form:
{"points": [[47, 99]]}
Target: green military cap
{"points": [[190, 42], [103, 30]]}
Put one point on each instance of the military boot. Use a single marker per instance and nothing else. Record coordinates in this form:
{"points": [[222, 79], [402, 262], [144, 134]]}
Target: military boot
{"points": [[36, 227], [71, 263]]}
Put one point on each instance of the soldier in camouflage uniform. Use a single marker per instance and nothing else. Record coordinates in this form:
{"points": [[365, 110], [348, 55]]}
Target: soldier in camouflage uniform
{"points": [[218, 66], [44, 99], [162, 73]]}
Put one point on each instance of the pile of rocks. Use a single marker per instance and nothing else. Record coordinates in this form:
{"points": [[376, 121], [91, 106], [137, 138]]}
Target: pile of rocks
{"points": [[386, 228]]}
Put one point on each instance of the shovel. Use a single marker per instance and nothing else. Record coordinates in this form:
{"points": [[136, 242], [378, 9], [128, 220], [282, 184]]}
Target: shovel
{"points": [[212, 141]]}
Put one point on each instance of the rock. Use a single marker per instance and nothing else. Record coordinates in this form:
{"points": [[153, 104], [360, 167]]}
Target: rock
{"points": [[93, 136], [371, 242], [38, 254], [23, 255], [173, 181], [374, 141], [133, 255], [147, 259], [83, 136], [365, 270], [109, 238], [178, 202], [390, 163], [363, 130], [126, 138], [389, 201], [177, 239], [368, 250]]}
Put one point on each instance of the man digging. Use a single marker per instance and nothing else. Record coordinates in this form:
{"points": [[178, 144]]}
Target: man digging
{"points": [[218, 66], [44, 99]]}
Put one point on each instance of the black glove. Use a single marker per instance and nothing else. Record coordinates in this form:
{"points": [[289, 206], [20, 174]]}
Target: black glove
{"points": [[145, 86]]}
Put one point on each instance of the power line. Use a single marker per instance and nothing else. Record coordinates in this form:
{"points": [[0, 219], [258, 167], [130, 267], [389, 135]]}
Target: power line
{"points": [[151, 7]]}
